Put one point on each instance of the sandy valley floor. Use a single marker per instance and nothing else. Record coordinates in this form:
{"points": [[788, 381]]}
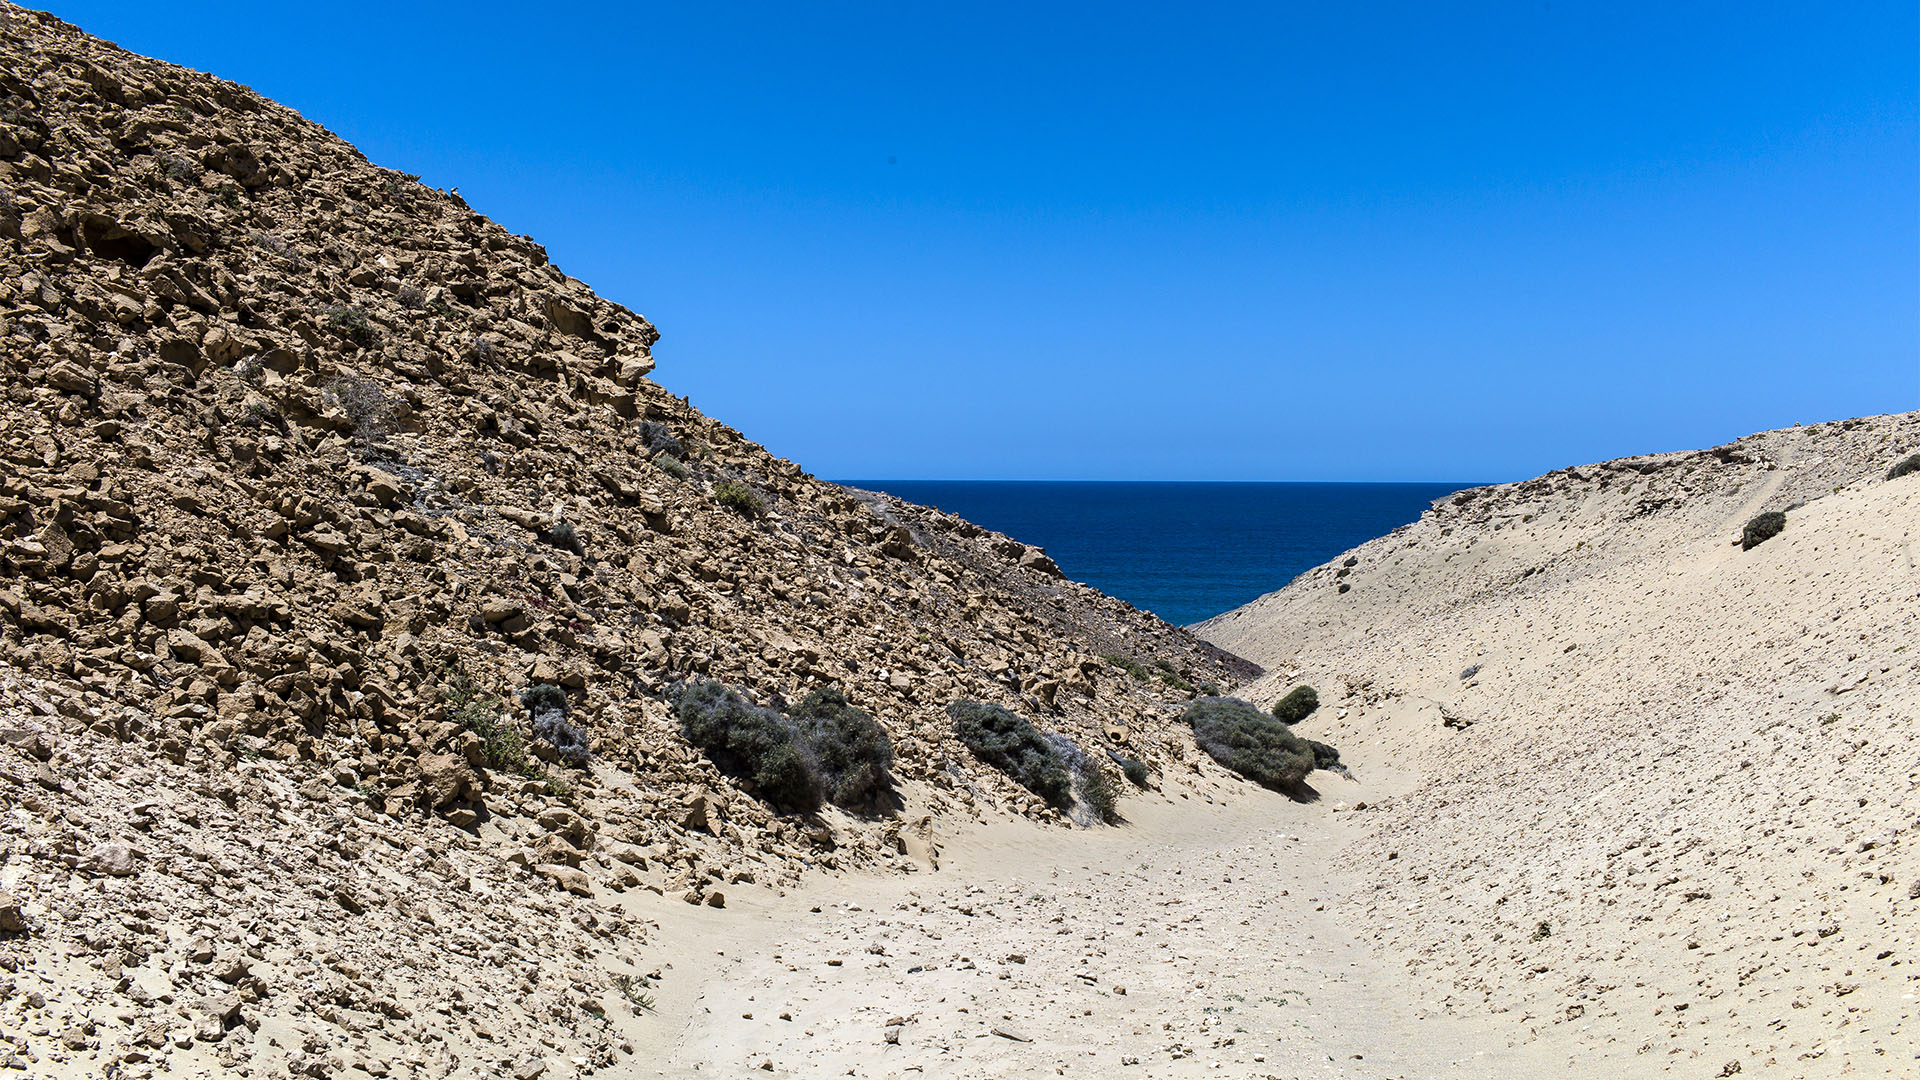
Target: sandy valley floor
{"points": [[1196, 941]]}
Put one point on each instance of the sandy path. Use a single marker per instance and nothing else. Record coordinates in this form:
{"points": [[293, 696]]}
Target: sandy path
{"points": [[1191, 942]]}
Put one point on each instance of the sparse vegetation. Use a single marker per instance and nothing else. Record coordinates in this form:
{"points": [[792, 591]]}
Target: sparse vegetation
{"points": [[1161, 669], [634, 989], [671, 465], [352, 324], [1762, 528], [1009, 742], [564, 536], [739, 498], [367, 406], [1239, 736], [181, 170], [1905, 466], [501, 743], [1297, 705], [1096, 790], [852, 750], [750, 741], [1135, 771], [546, 706]]}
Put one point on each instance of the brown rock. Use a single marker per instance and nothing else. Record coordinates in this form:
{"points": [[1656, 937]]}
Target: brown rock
{"points": [[445, 779]]}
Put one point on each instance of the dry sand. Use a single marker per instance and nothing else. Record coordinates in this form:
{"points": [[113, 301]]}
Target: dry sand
{"points": [[1198, 940]]}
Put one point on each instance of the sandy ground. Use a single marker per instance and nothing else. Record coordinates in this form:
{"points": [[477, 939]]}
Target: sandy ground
{"points": [[1667, 787], [1194, 941]]}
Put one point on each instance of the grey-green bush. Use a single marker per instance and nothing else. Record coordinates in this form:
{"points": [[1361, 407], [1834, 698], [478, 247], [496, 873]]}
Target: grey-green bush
{"points": [[1906, 465], [1239, 736], [1324, 756], [546, 706], [1009, 742], [752, 741], [1761, 529], [852, 750], [1297, 705]]}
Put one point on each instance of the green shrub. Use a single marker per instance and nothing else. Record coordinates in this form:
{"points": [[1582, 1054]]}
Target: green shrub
{"points": [[1239, 736], [1906, 465], [1096, 790], [751, 741], [672, 466], [852, 750], [565, 537], [1324, 756], [1009, 742], [655, 436], [1160, 669], [1297, 705], [1135, 771], [739, 498], [352, 324], [501, 742], [544, 697], [1761, 529]]}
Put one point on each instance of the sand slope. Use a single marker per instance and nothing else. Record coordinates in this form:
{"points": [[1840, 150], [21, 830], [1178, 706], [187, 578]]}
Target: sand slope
{"points": [[1667, 821]]}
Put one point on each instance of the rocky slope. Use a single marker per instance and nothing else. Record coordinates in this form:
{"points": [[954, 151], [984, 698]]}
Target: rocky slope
{"points": [[1659, 791], [308, 471]]}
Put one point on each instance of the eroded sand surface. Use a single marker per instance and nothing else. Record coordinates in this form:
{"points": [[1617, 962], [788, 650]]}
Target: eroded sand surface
{"points": [[1196, 941]]}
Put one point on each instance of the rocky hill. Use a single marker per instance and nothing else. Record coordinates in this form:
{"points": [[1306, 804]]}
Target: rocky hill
{"points": [[1645, 791], [310, 471]]}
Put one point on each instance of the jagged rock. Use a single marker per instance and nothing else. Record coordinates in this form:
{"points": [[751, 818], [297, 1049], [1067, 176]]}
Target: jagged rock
{"points": [[445, 779]]}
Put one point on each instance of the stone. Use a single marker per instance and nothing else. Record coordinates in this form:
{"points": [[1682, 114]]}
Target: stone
{"points": [[566, 877], [12, 921], [113, 860], [445, 779]]}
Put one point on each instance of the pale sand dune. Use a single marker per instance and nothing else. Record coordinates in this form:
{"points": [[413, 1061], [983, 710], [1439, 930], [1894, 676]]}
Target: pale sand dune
{"points": [[1693, 764]]}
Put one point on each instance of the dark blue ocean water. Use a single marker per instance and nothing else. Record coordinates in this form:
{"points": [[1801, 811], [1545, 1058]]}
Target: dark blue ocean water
{"points": [[1183, 551]]}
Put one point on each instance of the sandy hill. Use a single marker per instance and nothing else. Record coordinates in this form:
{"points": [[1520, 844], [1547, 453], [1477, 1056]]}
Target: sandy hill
{"points": [[307, 471], [1646, 793]]}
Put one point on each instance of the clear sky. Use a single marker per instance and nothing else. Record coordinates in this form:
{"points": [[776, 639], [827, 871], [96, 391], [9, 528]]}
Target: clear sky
{"points": [[1275, 241]]}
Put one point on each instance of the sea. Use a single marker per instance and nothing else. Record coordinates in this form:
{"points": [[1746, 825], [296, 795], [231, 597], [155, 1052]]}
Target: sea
{"points": [[1184, 551]]}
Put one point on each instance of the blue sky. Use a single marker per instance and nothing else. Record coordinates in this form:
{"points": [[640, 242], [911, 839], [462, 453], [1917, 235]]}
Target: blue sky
{"points": [[1273, 242]]}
